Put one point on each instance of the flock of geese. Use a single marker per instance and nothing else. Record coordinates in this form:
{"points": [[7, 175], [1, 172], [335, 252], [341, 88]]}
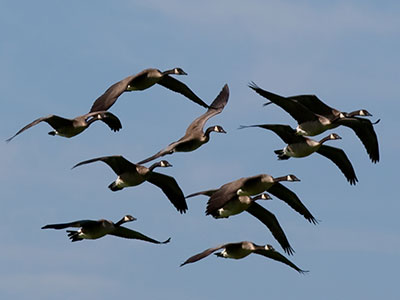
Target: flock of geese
{"points": [[312, 115]]}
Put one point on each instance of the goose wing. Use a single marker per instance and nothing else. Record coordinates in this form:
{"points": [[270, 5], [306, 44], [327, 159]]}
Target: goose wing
{"points": [[116, 162], [208, 193], [181, 88], [269, 220], [285, 132], [132, 234], [106, 100], [170, 188], [364, 129], [168, 150], [53, 120], [223, 195], [313, 103], [79, 223], [110, 119], [278, 257], [298, 111], [215, 108], [292, 200], [340, 159], [202, 255]]}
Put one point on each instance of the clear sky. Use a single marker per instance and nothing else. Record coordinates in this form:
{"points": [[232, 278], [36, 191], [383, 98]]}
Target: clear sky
{"points": [[57, 57]]}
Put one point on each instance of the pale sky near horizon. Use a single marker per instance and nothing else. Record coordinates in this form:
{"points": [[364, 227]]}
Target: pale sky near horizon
{"points": [[58, 57]]}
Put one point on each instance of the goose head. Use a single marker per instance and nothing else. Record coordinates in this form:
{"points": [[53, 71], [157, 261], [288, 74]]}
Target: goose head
{"points": [[360, 112], [291, 177], [161, 163], [268, 247], [126, 218], [178, 71], [334, 136], [218, 128], [215, 128], [164, 164]]}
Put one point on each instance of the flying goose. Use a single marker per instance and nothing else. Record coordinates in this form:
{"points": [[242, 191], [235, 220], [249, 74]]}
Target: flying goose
{"points": [[141, 81], [130, 174], [246, 203], [194, 136], [90, 229], [254, 185], [314, 117], [242, 249], [301, 146], [71, 127]]}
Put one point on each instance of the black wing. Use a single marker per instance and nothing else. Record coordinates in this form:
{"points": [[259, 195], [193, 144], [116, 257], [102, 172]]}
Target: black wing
{"points": [[285, 132], [279, 257], [79, 223], [215, 108], [314, 104], [298, 111], [181, 88], [292, 200], [202, 255], [116, 162], [105, 101], [53, 120], [269, 220], [339, 158], [208, 193], [223, 195], [110, 119], [365, 131], [170, 188], [132, 234]]}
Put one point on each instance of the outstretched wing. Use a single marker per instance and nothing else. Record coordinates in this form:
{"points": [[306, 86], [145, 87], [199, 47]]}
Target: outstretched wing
{"points": [[340, 159], [181, 88], [208, 193], [215, 108], [110, 119], [292, 200], [53, 120], [202, 255], [269, 220], [105, 101], [365, 131], [314, 104], [79, 223], [285, 132], [298, 111], [279, 257], [116, 162], [132, 234], [170, 188]]}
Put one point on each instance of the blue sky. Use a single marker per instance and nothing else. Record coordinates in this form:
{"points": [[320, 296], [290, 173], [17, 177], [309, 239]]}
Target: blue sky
{"points": [[58, 57]]}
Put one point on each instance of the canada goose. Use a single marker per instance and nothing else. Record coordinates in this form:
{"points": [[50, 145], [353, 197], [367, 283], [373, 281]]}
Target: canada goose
{"points": [[300, 146], [130, 174], [142, 81], [71, 127], [194, 136], [90, 229], [246, 203], [242, 249], [254, 185], [314, 117]]}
